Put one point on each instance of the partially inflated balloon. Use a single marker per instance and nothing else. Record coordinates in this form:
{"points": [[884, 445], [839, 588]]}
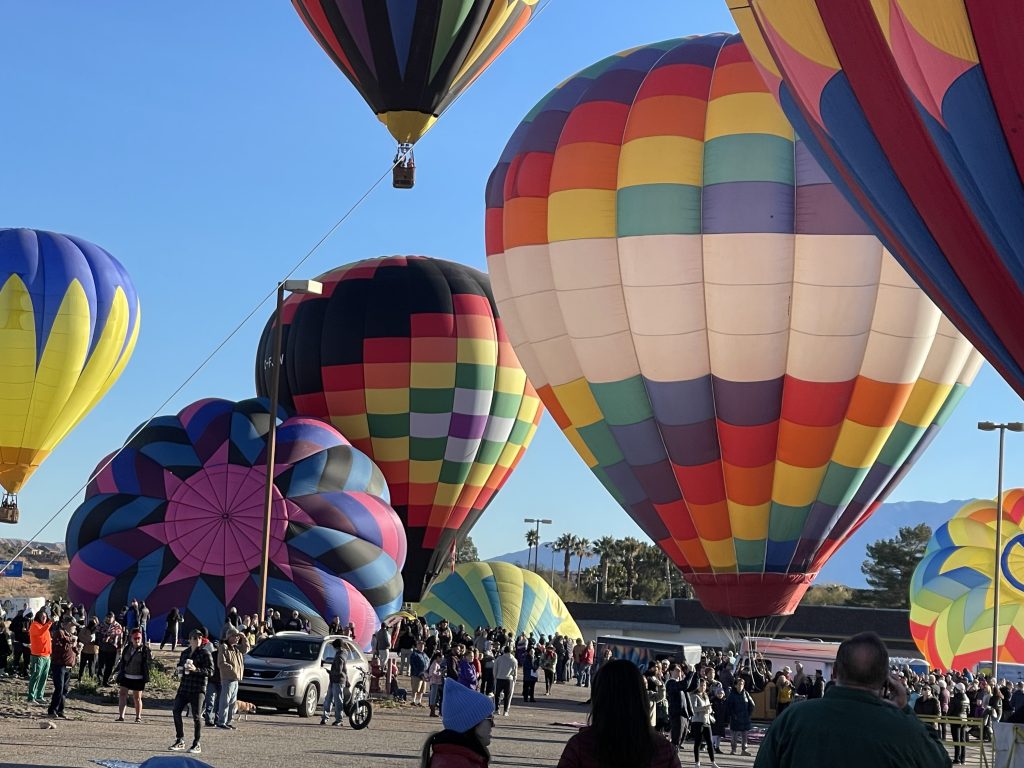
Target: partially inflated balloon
{"points": [[714, 329], [498, 595], [177, 517], [914, 107], [408, 358], [69, 319], [951, 593], [410, 59]]}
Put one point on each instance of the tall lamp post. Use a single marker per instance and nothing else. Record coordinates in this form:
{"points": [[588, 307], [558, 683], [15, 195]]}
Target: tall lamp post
{"points": [[290, 286], [988, 426], [539, 522]]}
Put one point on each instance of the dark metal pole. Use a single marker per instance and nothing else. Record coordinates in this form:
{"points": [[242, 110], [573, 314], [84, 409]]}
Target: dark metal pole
{"points": [[996, 576], [268, 494]]}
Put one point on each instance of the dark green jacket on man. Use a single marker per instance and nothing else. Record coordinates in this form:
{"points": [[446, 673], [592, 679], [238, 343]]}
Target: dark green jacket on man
{"points": [[849, 728]]}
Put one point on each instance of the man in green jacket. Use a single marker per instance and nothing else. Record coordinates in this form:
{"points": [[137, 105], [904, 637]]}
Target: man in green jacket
{"points": [[853, 726]]}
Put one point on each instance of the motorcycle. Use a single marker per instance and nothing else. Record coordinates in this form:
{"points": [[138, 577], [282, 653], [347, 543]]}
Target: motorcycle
{"points": [[357, 706]]}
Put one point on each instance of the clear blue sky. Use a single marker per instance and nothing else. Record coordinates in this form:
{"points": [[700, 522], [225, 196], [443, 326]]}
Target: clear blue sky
{"points": [[209, 148]]}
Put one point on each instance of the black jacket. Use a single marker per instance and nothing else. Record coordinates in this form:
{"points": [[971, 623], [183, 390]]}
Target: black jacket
{"points": [[195, 681]]}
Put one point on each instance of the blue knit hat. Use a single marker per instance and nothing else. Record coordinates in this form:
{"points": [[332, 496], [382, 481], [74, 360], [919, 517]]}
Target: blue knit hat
{"points": [[463, 708]]}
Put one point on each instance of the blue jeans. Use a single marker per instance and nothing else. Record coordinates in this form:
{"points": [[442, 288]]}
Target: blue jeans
{"points": [[61, 678], [333, 702], [210, 700], [226, 704], [584, 675]]}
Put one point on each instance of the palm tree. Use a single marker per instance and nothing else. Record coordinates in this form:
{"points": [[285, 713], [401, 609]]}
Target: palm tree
{"points": [[632, 556], [608, 548], [532, 540], [582, 550], [566, 543]]}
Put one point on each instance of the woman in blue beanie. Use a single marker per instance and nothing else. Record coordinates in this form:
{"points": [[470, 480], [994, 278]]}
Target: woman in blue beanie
{"points": [[468, 718]]}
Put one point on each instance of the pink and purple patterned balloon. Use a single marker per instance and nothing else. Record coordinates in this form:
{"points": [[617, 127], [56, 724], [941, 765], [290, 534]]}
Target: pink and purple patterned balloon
{"points": [[176, 519]]}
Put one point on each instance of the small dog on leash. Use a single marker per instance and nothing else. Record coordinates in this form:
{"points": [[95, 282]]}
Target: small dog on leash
{"points": [[244, 708]]}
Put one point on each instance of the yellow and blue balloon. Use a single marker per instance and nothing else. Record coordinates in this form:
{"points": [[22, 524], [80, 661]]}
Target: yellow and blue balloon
{"points": [[497, 595], [69, 320]]}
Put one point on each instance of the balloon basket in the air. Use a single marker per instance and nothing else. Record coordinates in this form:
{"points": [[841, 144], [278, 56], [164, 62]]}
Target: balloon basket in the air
{"points": [[9, 509], [403, 174]]}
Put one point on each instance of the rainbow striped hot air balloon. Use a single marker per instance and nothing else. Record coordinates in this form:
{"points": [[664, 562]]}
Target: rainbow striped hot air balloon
{"points": [[497, 595], [69, 320], [951, 593], [408, 358], [715, 330]]}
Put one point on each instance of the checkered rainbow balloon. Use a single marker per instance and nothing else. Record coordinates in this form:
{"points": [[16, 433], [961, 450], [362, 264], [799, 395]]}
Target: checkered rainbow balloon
{"points": [[408, 358]]}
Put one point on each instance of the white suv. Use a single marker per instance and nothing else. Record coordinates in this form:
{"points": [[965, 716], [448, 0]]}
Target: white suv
{"points": [[290, 670]]}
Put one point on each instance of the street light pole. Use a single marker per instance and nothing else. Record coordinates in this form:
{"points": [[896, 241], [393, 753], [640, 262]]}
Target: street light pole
{"points": [[291, 286], [597, 589], [988, 426], [536, 558]]}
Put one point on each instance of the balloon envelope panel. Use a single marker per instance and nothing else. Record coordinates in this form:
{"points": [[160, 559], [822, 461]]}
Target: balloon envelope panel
{"points": [[951, 592], [498, 595], [176, 518], [410, 59], [914, 109], [69, 320], [408, 358], [717, 333]]}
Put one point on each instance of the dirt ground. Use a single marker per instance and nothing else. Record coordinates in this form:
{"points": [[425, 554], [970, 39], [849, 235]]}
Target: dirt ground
{"points": [[532, 735]]}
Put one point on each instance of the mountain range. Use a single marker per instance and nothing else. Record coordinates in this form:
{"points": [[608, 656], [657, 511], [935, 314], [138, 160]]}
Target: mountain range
{"points": [[842, 568]]}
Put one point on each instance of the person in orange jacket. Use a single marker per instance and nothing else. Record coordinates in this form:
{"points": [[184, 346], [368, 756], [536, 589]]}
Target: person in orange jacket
{"points": [[42, 647]]}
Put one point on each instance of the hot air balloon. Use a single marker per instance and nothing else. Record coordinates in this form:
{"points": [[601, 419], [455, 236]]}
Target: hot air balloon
{"points": [[176, 518], [716, 332], [408, 358], [69, 320], [951, 592], [497, 595], [410, 59], [914, 110]]}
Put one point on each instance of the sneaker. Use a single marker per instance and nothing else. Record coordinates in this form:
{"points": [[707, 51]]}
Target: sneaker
{"points": [[229, 726], [323, 721], [746, 752], [222, 727], [178, 746], [119, 720], [505, 713], [195, 749], [61, 716]]}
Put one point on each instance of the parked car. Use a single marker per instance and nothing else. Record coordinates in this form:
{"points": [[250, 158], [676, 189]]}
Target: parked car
{"points": [[290, 670]]}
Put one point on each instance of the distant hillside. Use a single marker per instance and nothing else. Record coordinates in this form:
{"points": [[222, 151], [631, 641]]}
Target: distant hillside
{"points": [[519, 558], [843, 568]]}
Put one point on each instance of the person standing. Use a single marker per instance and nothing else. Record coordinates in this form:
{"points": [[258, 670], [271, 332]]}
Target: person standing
{"points": [[505, 669], [739, 708], [20, 644], [548, 662], [41, 646], [111, 638], [133, 674], [144, 622], [87, 640], [700, 723], [337, 679], [675, 693], [531, 672], [231, 661], [195, 667], [171, 629], [5, 646], [63, 656], [435, 678], [418, 673], [852, 725]]}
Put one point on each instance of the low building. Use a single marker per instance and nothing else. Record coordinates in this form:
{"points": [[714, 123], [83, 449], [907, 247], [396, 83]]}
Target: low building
{"points": [[685, 621]]}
